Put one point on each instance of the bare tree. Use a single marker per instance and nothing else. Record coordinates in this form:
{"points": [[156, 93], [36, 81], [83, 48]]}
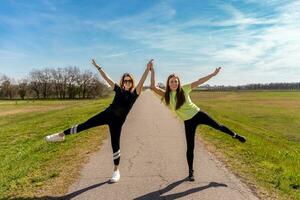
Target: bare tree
{"points": [[45, 79], [35, 83], [23, 88], [58, 82], [96, 88], [72, 74], [1, 89], [7, 87], [84, 82]]}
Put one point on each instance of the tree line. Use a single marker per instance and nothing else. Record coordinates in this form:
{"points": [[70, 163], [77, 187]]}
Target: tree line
{"points": [[258, 86], [72, 83], [59, 83]]}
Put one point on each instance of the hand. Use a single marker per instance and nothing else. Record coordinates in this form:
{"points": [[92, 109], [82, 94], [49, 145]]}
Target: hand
{"points": [[95, 64], [150, 64], [216, 71]]}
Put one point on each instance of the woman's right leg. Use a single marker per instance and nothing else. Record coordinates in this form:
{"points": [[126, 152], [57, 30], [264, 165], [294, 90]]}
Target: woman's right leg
{"points": [[190, 130], [97, 120], [115, 128]]}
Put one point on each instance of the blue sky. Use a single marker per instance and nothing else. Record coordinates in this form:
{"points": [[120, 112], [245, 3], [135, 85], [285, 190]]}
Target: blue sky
{"points": [[254, 41]]}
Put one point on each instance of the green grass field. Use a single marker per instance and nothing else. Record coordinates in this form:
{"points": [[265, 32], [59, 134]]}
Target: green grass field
{"points": [[31, 167], [270, 160], [271, 122]]}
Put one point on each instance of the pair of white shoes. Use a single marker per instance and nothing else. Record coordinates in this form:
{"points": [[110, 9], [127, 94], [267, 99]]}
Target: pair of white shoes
{"points": [[58, 138]]}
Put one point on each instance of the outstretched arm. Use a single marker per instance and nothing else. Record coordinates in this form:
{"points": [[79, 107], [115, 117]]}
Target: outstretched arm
{"points": [[139, 86], [157, 90], [104, 75], [204, 79]]}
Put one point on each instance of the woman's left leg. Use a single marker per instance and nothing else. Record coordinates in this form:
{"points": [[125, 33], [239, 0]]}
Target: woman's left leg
{"points": [[204, 118]]}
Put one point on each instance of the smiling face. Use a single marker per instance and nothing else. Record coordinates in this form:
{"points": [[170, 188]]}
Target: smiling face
{"points": [[127, 83], [173, 83]]}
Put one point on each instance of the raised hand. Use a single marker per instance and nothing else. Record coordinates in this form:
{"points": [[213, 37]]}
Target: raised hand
{"points": [[95, 64], [103, 74], [205, 78], [217, 70], [150, 64], [144, 76]]}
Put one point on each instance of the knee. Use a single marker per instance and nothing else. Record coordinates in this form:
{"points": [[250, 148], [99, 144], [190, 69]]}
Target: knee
{"points": [[190, 150], [222, 127]]}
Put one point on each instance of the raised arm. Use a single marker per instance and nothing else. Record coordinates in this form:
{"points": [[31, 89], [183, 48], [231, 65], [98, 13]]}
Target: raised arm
{"points": [[104, 75], [204, 79], [139, 86], [157, 90]]}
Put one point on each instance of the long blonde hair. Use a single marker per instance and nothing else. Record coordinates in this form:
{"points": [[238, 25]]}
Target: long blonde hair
{"points": [[132, 78]]}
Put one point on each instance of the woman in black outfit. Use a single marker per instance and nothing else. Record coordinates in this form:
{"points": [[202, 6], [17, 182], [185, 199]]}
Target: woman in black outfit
{"points": [[114, 116]]}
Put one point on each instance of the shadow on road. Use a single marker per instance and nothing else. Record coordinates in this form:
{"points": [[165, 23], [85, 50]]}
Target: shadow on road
{"points": [[150, 196], [65, 197], [159, 193]]}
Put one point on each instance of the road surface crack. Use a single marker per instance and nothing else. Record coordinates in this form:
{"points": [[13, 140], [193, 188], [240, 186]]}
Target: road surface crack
{"points": [[131, 159]]}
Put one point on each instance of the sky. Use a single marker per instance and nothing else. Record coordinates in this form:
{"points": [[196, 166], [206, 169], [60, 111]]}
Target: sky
{"points": [[253, 41]]}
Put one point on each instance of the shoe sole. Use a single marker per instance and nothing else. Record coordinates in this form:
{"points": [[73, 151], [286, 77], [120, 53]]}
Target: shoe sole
{"points": [[112, 181], [47, 140]]}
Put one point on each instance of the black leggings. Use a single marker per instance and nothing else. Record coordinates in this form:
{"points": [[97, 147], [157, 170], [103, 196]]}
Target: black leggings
{"points": [[104, 118], [190, 130]]}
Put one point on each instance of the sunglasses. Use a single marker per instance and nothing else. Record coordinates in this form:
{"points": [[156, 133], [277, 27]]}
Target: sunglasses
{"points": [[127, 81]]}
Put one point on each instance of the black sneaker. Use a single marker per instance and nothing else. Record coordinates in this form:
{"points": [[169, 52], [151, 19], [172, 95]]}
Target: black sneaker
{"points": [[191, 176], [240, 138]]}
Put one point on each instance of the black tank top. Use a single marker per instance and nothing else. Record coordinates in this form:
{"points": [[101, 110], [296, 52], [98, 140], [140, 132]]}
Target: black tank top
{"points": [[122, 102]]}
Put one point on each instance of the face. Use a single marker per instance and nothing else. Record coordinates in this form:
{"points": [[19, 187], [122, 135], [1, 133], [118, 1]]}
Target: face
{"points": [[173, 83], [127, 83]]}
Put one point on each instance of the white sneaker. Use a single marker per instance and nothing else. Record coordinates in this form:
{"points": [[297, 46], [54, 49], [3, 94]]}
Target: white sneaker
{"points": [[115, 177], [55, 138]]}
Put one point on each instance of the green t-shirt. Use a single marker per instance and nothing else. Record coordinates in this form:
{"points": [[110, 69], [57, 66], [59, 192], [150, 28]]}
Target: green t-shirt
{"points": [[188, 109]]}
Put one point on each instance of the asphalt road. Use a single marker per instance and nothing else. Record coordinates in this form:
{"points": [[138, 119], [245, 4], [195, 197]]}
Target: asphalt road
{"points": [[153, 163]]}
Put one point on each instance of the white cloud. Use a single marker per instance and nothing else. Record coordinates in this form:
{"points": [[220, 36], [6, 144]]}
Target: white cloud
{"points": [[236, 42], [7, 54], [252, 46]]}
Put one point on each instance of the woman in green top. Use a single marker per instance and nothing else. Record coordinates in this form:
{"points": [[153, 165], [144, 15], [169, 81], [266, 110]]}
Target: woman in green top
{"points": [[178, 99]]}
